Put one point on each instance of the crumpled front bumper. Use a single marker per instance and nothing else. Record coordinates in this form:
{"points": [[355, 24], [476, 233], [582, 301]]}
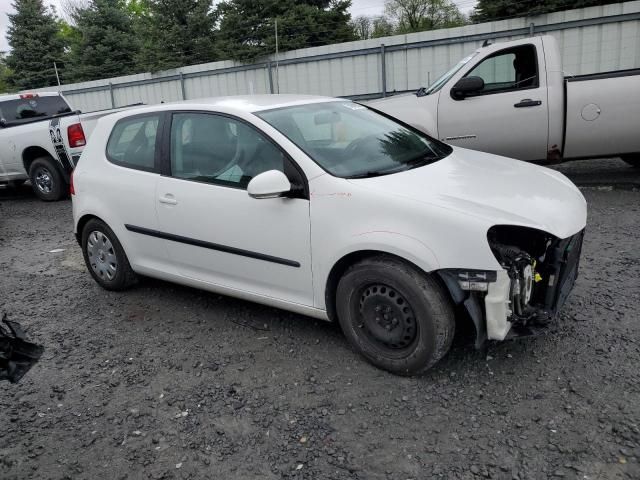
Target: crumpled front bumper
{"points": [[561, 272]]}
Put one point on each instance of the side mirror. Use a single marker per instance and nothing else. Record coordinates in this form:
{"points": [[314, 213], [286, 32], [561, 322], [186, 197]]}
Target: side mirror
{"points": [[466, 86], [270, 184]]}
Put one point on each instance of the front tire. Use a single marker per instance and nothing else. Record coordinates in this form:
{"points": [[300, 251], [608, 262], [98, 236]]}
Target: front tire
{"points": [[105, 258], [397, 317], [632, 159], [46, 180]]}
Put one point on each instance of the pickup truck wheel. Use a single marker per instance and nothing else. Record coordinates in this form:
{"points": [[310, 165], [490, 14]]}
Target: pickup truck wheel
{"points": [[633, 160], [397, 317], [46, 180], [105, 257]]}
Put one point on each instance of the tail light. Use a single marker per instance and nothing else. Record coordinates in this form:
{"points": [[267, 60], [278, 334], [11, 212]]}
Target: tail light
{"points": [[28, 96], [75, 133], [72, 191]]}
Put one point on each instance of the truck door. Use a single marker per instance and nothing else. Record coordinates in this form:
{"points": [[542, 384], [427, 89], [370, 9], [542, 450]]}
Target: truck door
{"points": [[509, 115]]}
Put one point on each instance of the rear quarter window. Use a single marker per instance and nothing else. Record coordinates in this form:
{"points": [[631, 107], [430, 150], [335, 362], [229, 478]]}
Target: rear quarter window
{"points": [[132, 142], [25, 110]]}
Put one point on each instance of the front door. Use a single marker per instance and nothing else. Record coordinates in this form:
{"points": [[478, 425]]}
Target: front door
{"points": [[510, 115], [216, 232]]}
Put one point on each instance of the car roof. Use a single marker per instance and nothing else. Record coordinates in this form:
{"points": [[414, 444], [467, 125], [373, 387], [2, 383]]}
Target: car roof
{"points": [[254, 103], [238, 103]]}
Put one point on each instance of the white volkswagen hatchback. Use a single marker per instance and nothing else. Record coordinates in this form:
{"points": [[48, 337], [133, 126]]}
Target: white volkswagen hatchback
{"points": [[327, 208]]}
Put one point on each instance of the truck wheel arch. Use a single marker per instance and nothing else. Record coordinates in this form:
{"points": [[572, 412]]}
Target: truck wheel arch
{"points": [[32, 153]]}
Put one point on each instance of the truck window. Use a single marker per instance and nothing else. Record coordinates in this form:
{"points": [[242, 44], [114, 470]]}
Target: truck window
{"points": [[507, 70], [29, 109]]}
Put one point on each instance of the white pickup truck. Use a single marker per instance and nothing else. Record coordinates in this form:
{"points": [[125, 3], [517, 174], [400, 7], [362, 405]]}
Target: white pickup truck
{"points": [[41, 139], [513, 99]]}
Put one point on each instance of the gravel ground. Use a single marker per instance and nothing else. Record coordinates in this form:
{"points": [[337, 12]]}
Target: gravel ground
{"points": [[170, 382]]}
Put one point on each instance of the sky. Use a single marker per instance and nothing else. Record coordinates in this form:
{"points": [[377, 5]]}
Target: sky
{"points": [[358, 7]]}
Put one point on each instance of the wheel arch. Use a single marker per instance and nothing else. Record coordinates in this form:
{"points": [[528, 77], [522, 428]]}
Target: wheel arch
{"points": [[34, 152], [82, 222], [349, 259]]}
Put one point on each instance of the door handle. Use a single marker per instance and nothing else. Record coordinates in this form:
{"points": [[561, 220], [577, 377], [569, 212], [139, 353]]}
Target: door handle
{"points": [[527, 102], [168, 199]]}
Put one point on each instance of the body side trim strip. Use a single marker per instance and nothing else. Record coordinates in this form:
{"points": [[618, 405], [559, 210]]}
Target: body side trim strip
{"points": [[212, 246]]}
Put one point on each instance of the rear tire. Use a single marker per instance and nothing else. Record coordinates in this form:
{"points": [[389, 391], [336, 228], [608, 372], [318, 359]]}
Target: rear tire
{"points": [[46, 180], [632, 159], [105, 258], [397, 317]]}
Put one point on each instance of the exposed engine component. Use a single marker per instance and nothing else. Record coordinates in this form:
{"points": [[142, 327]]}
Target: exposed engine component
{"points": [[542, 269], [520, 267], [17, 355]]}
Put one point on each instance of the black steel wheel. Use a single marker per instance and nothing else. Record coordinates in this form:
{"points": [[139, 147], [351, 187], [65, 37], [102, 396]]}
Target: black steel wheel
{"points": [[387, 318], [396, 316]]}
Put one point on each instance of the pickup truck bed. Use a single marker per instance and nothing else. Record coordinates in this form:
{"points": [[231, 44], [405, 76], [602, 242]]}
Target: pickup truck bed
{"points": [[602, 106], [41, 139]]}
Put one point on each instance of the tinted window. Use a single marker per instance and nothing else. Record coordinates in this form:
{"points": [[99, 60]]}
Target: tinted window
{"points": [[133, 142], [220, 150], [350, 140], [511, 69], [15, 112]]}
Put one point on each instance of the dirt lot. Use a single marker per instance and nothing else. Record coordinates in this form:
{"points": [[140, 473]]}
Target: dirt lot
{"points": [[171, 382]]}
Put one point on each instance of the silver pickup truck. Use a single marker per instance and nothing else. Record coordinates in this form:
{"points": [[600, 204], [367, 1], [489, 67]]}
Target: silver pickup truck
{"points": [[513, 99], [41, 139]]}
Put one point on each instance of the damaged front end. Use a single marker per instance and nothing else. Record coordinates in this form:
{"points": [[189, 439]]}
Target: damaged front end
{"points": [[17, 355], [539, 271]]}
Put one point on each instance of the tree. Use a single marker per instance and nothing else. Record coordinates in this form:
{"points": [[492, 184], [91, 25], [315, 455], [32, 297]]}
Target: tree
{"points": [[5, 73], [487, 10], [176, 33], [420, 15], [247, 29], [362, 27], [382, 27], [35, 44], [103, 44]]}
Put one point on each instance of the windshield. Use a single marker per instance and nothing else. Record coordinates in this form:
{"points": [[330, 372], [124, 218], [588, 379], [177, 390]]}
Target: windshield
{"points": [[437, 85], [351, 141]]}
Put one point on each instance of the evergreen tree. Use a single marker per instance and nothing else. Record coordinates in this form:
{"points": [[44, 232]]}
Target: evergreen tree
{"points": [[487, 10], [104, 45], [177, 33], [247, 29], [35, 45]]}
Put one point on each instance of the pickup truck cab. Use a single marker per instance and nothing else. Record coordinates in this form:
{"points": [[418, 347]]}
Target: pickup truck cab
{"points": [[513, 99], [41, 139]]}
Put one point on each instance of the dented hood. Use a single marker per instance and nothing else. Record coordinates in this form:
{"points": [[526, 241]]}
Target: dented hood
{"points": [[498, 189]]}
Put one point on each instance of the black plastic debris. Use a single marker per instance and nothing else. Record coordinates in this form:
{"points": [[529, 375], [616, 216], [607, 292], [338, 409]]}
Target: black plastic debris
{"points": [[17, 355]]}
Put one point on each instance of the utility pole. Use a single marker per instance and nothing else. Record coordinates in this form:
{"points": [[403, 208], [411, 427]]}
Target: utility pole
{"points": [[277, 72], [55, 67]]}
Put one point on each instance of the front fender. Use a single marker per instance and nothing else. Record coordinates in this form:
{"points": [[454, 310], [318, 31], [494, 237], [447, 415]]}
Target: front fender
{"points": [[400, 245]]}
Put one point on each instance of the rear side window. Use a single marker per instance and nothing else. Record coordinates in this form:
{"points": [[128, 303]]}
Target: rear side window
{"points": [[132, 143], [25, 110]]}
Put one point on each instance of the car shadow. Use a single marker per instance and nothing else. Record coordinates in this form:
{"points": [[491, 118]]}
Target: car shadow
{"points": [[11, 192]]}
